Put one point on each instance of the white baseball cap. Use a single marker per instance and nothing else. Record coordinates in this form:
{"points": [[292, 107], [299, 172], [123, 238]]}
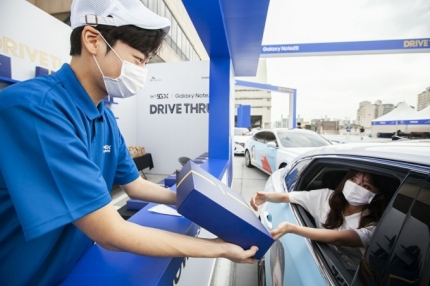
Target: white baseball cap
{"points": [[115, 13]]}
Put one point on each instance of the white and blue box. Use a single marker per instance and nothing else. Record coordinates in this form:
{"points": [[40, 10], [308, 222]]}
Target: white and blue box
{"points": [[212, 205]]}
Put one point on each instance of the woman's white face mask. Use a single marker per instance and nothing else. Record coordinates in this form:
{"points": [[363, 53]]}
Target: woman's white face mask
{"points": [[130, 81], [357, 195]]}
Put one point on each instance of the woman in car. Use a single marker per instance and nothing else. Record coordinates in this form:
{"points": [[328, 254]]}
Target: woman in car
{"points": [[346, 217]]}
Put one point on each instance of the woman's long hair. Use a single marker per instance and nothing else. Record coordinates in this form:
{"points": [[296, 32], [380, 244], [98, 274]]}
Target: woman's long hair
{"points": [[338, 204]]}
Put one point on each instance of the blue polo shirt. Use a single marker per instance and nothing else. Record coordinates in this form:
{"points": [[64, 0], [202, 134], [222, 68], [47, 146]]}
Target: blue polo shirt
{"points": [[59, 157]]}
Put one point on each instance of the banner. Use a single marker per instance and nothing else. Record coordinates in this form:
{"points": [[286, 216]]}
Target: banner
{"points": [[172, 113], [40, 41]]}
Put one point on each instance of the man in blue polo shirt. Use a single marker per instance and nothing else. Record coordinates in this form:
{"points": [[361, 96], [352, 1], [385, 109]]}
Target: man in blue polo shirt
{"points": [[61, 151]]}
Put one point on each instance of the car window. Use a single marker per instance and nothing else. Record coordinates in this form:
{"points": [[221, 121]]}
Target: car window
{"points": [[270, 137], [294, 174], [410, 253], [260, 136], [301, 139], [395, 254]]}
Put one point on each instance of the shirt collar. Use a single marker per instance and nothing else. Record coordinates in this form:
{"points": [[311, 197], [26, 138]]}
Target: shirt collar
{"points": [[77, 92]]}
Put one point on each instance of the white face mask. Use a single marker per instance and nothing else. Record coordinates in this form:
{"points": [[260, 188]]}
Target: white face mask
{"points": [[357, 195], [130, 81]]}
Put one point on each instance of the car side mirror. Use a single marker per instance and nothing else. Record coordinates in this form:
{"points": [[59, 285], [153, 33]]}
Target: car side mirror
{"points": [[271, 144]]}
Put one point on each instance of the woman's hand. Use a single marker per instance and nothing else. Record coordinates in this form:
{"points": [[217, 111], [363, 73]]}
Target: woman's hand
{"points": [[340, 238], [258, 199], [281, 229]]}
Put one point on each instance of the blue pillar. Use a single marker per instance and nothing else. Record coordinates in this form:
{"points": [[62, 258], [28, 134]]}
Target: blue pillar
{"points": [[292, 104], [219, 114], [243, 116]]}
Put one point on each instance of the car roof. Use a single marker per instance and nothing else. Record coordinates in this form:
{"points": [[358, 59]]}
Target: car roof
{"points": [[412, 151], [288, 130]]}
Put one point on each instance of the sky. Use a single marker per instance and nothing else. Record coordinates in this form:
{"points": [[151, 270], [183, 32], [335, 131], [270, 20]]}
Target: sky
{"points": [[333, 86]]}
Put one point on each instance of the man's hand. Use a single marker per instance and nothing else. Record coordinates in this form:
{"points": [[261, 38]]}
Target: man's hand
{"points": [[237, 254], [258, 199]]}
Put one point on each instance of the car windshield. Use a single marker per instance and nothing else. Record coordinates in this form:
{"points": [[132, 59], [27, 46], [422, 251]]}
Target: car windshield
{"points": [[301, 139], [240, 131]]}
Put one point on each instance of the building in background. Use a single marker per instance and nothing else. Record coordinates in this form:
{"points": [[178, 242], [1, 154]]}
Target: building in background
{"points": [[325, 126], [382, 109], [283, 123], [368, 111], [423, 99], [181, 44]]}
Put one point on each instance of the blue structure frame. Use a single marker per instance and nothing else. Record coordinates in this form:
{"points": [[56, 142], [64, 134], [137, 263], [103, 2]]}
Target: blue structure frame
{"points": [[421, 45], [291, 91], [232, 33]]}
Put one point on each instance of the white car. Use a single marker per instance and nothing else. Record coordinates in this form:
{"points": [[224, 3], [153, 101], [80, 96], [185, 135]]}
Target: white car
{"points": [[240, 139], [272, 149], [398, 252]]}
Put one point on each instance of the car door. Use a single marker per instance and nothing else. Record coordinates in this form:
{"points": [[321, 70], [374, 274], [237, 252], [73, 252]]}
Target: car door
{"points": [[399, 250], [257, 147], [289, 262], [270, 153]]}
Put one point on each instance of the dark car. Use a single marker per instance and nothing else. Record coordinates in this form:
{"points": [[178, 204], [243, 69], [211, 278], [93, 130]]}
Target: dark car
{"points": [[398, 252]]}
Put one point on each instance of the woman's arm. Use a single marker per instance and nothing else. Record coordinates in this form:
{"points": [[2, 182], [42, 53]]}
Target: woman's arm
{"points": [[335, 237], [273, 197]]}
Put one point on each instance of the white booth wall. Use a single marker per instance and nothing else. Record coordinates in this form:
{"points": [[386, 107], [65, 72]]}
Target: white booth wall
{"points": [[169, 117]]}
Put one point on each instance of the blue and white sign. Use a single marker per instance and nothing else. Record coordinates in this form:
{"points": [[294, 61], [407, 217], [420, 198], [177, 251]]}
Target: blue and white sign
{"points": [[391, 122], [416, 122], [349, 48], [403, 122]]}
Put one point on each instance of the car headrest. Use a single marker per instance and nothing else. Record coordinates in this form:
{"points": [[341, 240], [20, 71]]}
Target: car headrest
{"points": [[331, 179]]}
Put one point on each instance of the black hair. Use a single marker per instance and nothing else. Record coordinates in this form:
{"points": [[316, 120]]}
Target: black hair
{"points": [[146, 41]]}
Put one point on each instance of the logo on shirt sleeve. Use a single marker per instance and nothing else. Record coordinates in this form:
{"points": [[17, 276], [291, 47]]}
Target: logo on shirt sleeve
{"points": [[106, 148]]}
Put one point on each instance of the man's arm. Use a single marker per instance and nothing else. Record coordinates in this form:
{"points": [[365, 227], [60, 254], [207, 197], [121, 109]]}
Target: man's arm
{"points": [[106, 227], [144, 190]]}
